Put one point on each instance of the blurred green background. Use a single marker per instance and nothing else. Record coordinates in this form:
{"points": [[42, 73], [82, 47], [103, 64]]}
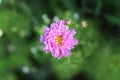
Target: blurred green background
{"points": [[96, 57]]}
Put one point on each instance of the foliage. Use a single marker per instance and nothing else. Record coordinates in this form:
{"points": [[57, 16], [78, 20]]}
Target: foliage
{"points": [[96, 57]]}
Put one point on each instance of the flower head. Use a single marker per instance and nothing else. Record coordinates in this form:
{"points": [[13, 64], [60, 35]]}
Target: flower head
{"points": [[84, 24], [1, 33], [58, 39]]}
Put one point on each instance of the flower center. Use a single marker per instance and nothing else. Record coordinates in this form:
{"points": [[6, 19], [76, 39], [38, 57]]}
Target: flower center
{"points": [[59, 39]]}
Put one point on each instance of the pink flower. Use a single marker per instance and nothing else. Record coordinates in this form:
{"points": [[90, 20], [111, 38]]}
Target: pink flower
{"points": [[67, 22], [58, 39], [84, 24]]}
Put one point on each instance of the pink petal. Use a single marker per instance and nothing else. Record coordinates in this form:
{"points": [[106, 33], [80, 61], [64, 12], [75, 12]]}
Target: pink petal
{"points": [[65, 52], [42, 38], [71, 32]]}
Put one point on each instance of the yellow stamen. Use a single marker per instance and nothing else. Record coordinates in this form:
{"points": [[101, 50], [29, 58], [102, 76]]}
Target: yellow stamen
{"points": [[58, 39]]}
